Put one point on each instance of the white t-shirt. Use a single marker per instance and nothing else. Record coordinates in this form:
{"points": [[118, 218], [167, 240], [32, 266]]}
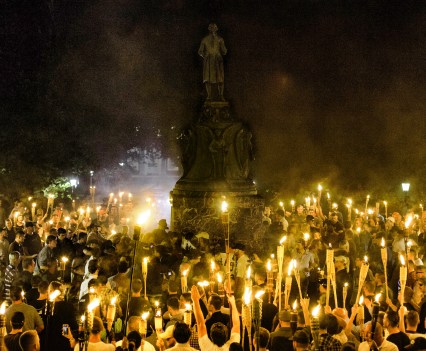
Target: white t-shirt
{"points": [[385, 346], [97, 346], [207, 345]]}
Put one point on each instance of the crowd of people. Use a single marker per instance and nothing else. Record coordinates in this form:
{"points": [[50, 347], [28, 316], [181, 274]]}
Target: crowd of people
{"points": [[53, 265]]}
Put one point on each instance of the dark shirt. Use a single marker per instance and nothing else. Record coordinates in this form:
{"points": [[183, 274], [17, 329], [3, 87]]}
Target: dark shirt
{"points": [[216, 317], [32, 243], [399, 339], [281, 339], [12, 342], [24, 279], [137, 305]]}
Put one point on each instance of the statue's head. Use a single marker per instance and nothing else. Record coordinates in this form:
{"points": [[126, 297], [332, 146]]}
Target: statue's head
{"points": [[213, 27]]}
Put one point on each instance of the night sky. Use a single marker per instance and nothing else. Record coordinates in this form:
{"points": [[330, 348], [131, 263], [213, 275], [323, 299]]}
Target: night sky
{"points": [[334, 91]]}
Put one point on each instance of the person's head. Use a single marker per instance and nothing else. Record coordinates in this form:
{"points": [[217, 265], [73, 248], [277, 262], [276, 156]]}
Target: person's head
{"points": [[263, 338], [333, 327], [300, 340], [8, 223], [16, 293], [413, 320], [181, 332], [98, 326], [420, 271], [51, 241], [214, 303], [340, 262], [378, 333], [369, 288], [35, 281], [284, 317], [29, 341], [136, 286], [62, 233], [173, 304], [133, 323], [213, 28], [219, 334], [235, 346], [53, 286], [391, 319], [28, 264], [334, 217], [122, 267], [29, 228], [17, 321], [135, 340], [43, 287], [92, 266]]}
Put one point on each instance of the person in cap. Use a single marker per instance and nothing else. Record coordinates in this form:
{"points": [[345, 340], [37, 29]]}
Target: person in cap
{"points": [[12, 339], [300, 341], [281, 338], [95, 342], [160, 234]]}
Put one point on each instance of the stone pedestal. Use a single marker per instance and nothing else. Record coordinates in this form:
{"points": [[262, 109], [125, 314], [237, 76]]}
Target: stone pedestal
{"points": [[216, 159]]}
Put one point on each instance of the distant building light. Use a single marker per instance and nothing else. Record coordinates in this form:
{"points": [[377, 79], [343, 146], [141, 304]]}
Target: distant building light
{"points": [[405, 187]]}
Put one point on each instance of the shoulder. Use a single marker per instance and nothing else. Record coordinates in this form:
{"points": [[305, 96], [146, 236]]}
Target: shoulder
{"points": [[205, 342], [235, 337]]}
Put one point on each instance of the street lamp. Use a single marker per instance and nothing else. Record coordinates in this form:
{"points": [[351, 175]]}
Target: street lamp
{"points": [[405, 187]]}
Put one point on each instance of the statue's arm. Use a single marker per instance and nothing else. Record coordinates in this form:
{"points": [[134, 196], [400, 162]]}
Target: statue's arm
{"points": [[201, 49], [223, 49]]}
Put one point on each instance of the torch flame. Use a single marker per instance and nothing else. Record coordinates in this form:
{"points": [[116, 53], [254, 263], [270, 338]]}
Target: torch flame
{"points": [[187, 307], [383, 242], [259, 294], [212, 265], [377, 297], [283, 239], [114, 300], [64, 259], [3, 308], [247, 296], [295, 305], [143, 217], [248, 272], [268, 266], [93, 305], [408, 221], [145, 315], [185, 272], [219, 278], [361, 300], [54, 295], [401, 258], [319, 187], [316, 311], [290, 268]]}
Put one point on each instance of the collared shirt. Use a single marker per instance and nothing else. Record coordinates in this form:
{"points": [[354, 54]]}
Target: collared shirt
{"points": [[385, 346]]}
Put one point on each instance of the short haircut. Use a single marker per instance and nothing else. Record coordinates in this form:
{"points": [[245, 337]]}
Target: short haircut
{"points": [[50, 238], [133, 323], [216, 301], [263, 337], [173, 303], [98, 325], [186, 297], [370, 286], [234, 346], [219, 334], [16, 293], [27, 262], [181, 332], [136, 285], [14, 255], [35, 281], [43, 286], [393, 318], [332, 325], [122, 267], [17, 320], [135, 338], [28, 339], [413, 318]]}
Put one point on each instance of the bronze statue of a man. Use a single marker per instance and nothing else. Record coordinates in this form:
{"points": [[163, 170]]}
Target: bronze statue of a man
{"points": [[211, 49]]}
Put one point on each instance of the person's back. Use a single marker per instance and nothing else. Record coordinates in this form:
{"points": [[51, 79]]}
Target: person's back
{"points": [[281, 339], [12, 339], [95, 342]]}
